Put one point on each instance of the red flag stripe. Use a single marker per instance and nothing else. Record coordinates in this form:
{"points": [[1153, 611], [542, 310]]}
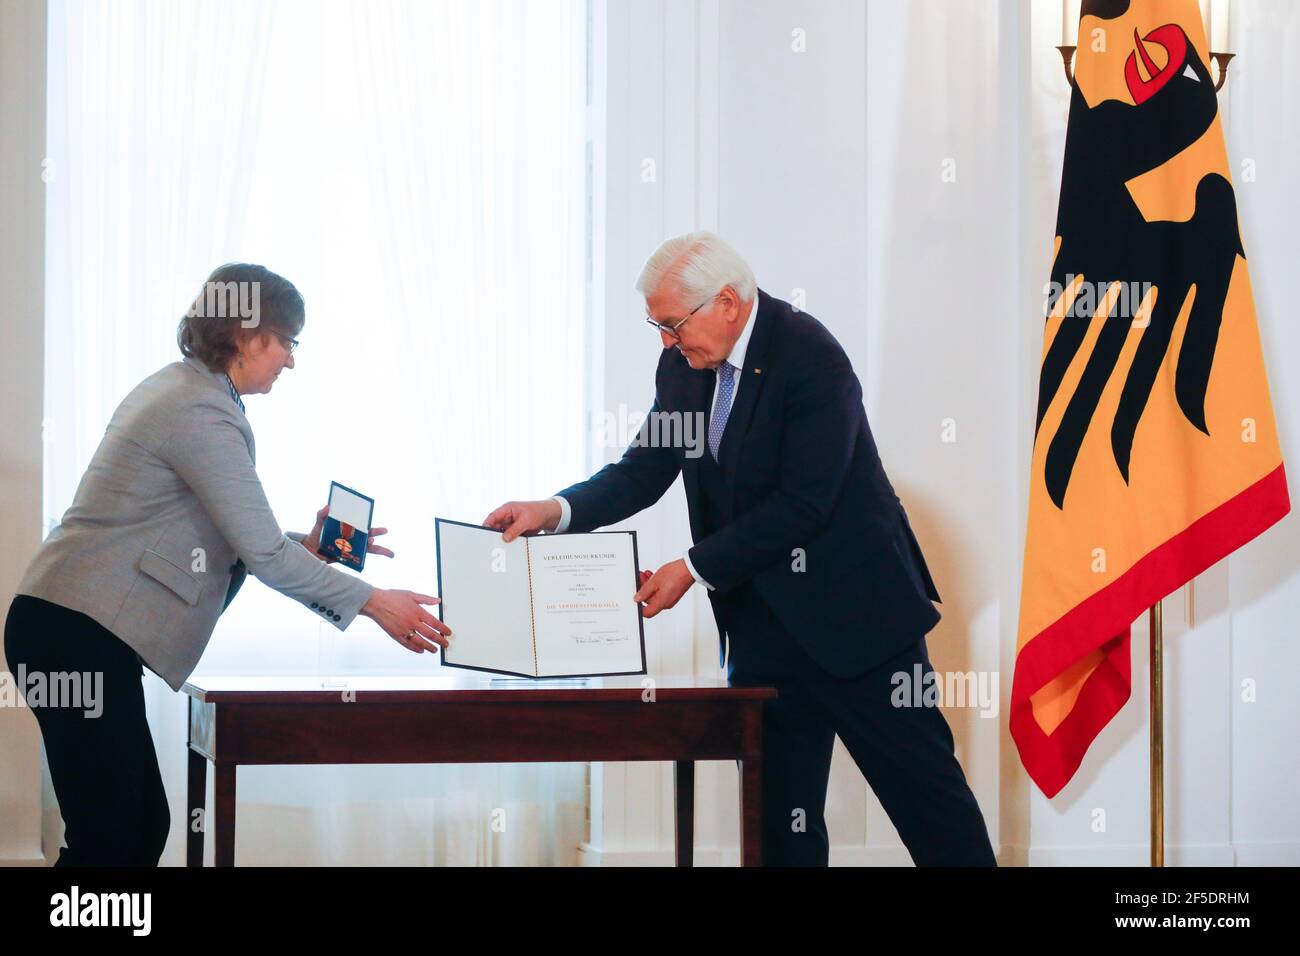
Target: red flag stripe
{"points": [[1051, 761]]}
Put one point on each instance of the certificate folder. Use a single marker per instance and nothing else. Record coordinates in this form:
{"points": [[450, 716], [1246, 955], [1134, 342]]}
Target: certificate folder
{"points": [[557, 605]]}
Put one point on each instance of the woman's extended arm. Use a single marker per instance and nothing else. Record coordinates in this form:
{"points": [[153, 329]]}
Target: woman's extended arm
{"points": [[211, 455]]}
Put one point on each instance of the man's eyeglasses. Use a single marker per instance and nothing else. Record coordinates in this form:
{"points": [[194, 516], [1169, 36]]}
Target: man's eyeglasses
{"points": [[291, 343], [671, 330]]}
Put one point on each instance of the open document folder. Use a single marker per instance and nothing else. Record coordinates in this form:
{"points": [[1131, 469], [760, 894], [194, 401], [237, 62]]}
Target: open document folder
{"points": [[547, 606]]}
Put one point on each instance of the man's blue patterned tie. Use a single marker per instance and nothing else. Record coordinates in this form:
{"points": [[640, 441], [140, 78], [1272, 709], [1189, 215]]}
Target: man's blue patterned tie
{"points": [[722, 407]]}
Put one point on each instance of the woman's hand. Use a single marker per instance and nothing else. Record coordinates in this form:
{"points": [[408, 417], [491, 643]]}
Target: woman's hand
{"points": [[312, 540], [402, 615]]}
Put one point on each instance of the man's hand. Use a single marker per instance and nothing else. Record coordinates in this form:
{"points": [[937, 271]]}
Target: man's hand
{"points": [[524, 517], [664, 588], [312, 540]]}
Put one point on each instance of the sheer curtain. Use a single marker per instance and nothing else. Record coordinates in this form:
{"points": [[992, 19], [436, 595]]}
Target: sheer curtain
{"points": [[417, 170]]}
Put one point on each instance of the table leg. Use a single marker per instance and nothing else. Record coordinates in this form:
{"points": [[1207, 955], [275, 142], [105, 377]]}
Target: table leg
{"points": [[751, 811], [223, 815], [684, 784], [197, 798]]}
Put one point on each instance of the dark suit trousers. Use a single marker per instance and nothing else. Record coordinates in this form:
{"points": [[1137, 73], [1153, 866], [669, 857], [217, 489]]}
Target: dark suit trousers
{"points": [[905, 753], [104, 769]]}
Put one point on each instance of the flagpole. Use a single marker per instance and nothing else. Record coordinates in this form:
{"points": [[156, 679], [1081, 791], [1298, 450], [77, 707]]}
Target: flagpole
{"points": [[1156, 627]]}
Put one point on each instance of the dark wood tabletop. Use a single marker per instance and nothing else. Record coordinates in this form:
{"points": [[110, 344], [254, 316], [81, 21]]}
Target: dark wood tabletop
{"points": [[354, 719], [464, 689]]}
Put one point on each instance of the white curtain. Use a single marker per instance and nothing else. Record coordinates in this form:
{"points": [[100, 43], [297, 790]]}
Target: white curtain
{"points": [[153, 115], [417, 170]]}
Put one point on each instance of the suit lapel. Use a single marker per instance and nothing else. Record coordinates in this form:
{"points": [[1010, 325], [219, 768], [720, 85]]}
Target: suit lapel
{"points": [[751, 384], [698, 398], [697, 395]]}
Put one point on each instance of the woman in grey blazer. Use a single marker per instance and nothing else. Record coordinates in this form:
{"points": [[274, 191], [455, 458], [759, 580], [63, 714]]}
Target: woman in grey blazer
{"points": [[168, 518]]}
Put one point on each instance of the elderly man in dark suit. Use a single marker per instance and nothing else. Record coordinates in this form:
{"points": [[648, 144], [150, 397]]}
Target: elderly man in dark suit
{"points": [[815, 577]]}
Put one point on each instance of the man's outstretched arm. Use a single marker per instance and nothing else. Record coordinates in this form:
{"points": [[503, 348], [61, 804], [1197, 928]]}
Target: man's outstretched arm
{"points": [[618, 491]]}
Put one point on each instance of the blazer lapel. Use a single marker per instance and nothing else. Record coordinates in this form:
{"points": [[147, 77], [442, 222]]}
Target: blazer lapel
{"points": [[218, 381]]}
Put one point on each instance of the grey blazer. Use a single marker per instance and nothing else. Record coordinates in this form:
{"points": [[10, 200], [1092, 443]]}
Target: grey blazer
{"points": [[164, 521]]}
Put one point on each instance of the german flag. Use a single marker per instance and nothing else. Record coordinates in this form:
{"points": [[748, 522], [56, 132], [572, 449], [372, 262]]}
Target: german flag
{"points": [[1155, 451]]}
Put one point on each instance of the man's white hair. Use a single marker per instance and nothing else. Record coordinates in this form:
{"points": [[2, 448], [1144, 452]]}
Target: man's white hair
{"points": [[701, 264]]}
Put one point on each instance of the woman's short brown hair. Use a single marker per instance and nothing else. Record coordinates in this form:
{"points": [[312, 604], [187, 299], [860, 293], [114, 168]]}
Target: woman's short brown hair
{"points": [[237, 302]]}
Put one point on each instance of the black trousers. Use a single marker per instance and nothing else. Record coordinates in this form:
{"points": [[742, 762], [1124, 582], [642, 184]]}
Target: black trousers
{"points": [[905, 753], [104, 767]]}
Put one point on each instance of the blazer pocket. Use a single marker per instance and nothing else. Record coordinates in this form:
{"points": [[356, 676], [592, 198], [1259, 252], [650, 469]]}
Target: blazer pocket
{"points": [[171, 576]]}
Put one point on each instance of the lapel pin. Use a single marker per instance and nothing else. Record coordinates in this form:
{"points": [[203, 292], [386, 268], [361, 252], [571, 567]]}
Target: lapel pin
{"points": [[758, 371]]}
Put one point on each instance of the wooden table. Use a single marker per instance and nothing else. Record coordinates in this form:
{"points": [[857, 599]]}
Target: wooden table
{"points": [[472, 719]]}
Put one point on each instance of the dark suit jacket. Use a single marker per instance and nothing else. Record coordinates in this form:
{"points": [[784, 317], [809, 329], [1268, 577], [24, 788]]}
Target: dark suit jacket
{"points": [[802, 472]]}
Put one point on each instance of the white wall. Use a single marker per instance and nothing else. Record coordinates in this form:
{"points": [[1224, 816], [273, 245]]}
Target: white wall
{"points": [[1263, 125], [826, 168], [807, 165], [655, 177], [22, 257], [1230, 766]]}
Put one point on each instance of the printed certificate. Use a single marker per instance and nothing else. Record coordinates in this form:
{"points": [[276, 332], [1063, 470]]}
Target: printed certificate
{"points": [[557, 605]]}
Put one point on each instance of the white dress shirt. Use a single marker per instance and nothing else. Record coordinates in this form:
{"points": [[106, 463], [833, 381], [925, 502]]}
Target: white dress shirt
{"points": [[737, 361]]}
